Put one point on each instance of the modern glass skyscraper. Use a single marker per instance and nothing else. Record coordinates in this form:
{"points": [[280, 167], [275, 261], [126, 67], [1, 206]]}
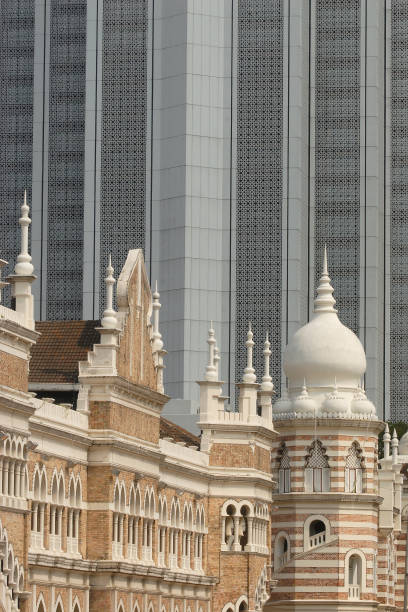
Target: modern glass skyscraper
{"points": [[230, 139]]}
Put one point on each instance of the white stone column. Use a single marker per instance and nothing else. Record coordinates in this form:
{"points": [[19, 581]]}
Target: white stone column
{"points": [[250, 527], [115, 527], [237, 545], [59, 521], [6, 477], [11, 477], [1, 476], [76, 528], [42, 510], [52, 520], [17, 479]]}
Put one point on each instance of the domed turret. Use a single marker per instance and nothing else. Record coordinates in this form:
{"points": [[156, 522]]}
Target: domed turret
{"points": [[324, 350], [303, 404], [335, 403]]}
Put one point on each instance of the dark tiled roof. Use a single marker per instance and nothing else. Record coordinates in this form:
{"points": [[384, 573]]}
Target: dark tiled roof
{"points": [[171, 430], [62, 344], [55, 357]]}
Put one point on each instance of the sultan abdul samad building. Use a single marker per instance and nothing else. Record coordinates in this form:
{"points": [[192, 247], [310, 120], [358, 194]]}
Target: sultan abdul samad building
{"points": [[109, 507]]}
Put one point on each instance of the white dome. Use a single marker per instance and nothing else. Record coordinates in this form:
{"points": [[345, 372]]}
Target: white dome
{"points": [[324, 352], [304, 404], [335, 403]]}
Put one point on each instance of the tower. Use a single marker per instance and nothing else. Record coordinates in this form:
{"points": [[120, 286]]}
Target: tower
{"points": [[325, 527], [238, 445]]}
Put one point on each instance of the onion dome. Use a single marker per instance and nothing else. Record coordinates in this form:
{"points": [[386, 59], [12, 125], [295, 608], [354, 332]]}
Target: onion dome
{"points": [[361, 405], [283, 405], [303, 404], [324, 350], [335, 403]]}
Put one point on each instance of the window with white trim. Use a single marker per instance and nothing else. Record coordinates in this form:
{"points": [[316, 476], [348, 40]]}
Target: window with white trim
{"points": [[354, 572], [353, 473], [317, 470], [284, 469]]}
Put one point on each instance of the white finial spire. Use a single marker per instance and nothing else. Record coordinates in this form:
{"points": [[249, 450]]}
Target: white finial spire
{"points": [[157, 343], [211, 369], [24, 267], [386, 441], [109, 320], [249, 372], [324, 302], [394, 446], [267, 384]]}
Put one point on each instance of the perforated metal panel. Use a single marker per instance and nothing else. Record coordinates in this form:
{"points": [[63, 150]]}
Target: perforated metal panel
{"points": [[16, 120], [337, 157], [66, 158], [124, 116], [399, 213], [259, 180]]}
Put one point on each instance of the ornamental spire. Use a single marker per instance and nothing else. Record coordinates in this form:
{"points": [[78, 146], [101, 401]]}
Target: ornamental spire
{"points": [[109, 320], [394, 446], [324, 302], [386, 440], [157, 344], [211, 369], [267, 384], [24, 267], [249, 372]]}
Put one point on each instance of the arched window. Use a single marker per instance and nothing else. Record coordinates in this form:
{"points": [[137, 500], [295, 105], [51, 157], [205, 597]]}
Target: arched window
{"points": [[284, 470], [354, 576], [148, 523], [162, 531], [73, 518], [243, 527], [317, 533], [282, 551], [134, 522], [353, 475], [317, 471], [60, 607], [173, 532], [118, 517], [38, 507], [41, 606], [229, 536]]}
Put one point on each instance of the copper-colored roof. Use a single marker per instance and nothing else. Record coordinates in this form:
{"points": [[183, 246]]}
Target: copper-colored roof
{"points": [[62, 344], [171, 430]]}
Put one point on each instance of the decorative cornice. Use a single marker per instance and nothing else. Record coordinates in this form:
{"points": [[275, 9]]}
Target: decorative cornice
{"points": [[336, 423], [328, 496], [24, 334], [151, 397]]}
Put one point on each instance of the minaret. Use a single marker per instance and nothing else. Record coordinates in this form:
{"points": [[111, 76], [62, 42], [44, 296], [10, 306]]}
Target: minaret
{"points": [[248, 388], [211, 399], [23, 276], [326, 464], [386, 441], [157, 341], [109, 323], [266, 389]]}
